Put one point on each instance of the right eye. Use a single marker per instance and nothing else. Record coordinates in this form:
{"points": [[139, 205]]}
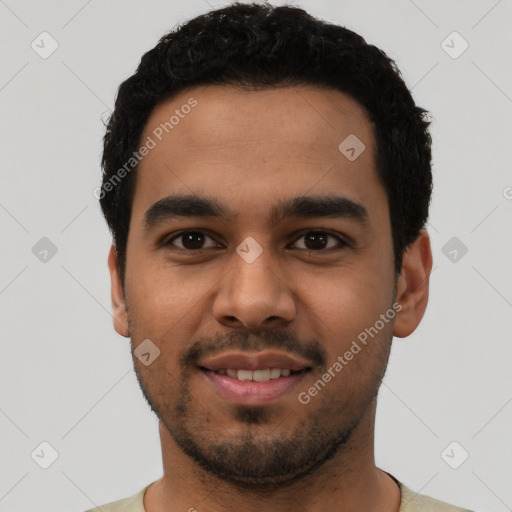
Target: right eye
{"points": [[190, 240]]}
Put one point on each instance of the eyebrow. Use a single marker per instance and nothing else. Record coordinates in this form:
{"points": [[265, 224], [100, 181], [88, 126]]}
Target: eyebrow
{"points": [[307, 207]]}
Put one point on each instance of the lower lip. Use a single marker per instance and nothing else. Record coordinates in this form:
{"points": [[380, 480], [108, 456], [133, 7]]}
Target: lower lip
{"points": [[250, 392]]}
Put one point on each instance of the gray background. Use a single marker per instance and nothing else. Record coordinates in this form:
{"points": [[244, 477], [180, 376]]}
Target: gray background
{"points": [[66, 377]]}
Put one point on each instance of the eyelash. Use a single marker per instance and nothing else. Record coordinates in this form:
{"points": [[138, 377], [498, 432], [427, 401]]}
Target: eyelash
{"points": [[341, 241]]}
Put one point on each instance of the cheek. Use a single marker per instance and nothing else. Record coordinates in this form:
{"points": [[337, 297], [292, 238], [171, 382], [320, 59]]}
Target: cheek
{"points": [[166, 306], [348, 301], [357, 340], [163, 292]]}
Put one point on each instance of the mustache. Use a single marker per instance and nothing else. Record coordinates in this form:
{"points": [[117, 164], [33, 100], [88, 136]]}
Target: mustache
{"points": [[254, 341]]}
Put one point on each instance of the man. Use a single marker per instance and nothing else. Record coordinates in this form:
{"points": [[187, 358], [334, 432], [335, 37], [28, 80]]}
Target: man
{"points": [[267, 181]]}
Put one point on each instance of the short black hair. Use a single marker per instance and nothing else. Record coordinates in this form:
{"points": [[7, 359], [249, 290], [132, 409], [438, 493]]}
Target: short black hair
{"points": [[258, 45]]}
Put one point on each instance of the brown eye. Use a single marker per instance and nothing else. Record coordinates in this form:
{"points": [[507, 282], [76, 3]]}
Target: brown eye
{"points": [[190, 240], [318, 240]]}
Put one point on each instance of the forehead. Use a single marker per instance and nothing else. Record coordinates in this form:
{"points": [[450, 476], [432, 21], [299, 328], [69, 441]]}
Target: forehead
{"points": [[254, 146], [299, 115]]}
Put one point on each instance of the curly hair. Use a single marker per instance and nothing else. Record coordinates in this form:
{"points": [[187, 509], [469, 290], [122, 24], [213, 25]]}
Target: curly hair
{"points": [[258, 45]]}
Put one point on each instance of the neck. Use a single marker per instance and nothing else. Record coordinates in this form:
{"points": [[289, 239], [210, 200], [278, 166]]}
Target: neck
{"points": [[349, 481]]}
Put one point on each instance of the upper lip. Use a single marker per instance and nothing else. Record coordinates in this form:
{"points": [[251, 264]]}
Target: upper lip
{"points": [[255, 361]]}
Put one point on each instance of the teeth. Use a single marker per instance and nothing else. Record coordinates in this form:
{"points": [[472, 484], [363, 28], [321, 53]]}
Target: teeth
{"points": [[261, 375], [256, 375], [275, 373], [244, 375]]}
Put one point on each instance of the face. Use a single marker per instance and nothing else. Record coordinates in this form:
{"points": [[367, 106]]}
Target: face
{"points": [[258, 253]]}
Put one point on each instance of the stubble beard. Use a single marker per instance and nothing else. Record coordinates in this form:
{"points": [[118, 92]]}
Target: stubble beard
{"points": [[264, 456]]}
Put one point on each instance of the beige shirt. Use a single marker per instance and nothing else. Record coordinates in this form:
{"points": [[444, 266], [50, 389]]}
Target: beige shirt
{"points": [[409, 502]]}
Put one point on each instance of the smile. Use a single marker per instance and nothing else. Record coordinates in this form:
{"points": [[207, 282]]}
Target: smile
{"points": [[255, 375], [254, 378]]}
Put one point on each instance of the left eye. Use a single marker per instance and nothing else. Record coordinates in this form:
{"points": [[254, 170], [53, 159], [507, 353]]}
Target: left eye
{"points": [[194, 240], [319, 240]]}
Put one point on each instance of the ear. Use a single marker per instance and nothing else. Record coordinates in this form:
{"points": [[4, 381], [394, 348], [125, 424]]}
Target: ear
{"points": [[119, 312], [413, 285]]}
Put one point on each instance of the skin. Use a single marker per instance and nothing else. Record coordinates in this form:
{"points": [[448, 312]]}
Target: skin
{"points": [[251, 149]]}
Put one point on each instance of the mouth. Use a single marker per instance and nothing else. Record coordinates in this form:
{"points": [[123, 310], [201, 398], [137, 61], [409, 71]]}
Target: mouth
{"points": [[257, 375], [254, 378]]}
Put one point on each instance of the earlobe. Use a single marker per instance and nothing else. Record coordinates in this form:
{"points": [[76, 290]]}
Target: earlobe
{"points": [[119, 310], [413, 285]]}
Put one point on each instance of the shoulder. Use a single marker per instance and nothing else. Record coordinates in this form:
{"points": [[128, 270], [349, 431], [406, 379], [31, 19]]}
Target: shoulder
{"points": [[415, 502], [134, 503]]}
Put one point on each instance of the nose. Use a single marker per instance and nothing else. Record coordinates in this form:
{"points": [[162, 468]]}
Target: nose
{"points": [[254, 295]]}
